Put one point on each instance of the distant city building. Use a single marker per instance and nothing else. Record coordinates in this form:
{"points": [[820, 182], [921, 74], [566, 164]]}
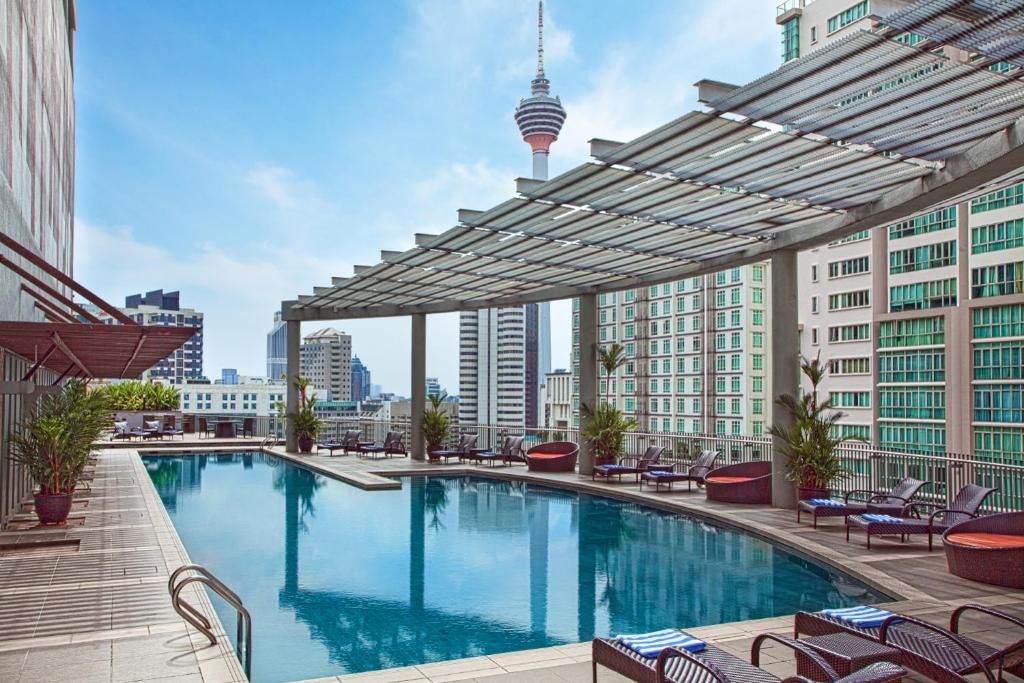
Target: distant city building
{"points": [[558, 400], [376, 390], [277, 348], [360, 380], [434, 387], [229, 376], [504, 353], [253, 396], [163, 308], [326, 360]]}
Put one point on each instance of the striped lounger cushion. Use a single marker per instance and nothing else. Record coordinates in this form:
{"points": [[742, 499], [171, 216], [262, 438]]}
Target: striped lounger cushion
{"points": [[651, 644], [861, 617]]}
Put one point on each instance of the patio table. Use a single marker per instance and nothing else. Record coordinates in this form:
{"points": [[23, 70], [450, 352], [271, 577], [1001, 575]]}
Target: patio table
{"points": [[845, 652], [225, 429]]}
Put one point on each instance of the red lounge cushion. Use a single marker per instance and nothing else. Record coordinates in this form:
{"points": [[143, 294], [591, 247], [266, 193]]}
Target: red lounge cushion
{"points": [[983, 540], [547, 456], [728, 480]]}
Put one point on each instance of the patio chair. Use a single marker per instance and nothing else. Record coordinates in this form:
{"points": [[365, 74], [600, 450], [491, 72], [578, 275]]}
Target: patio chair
{"points": [[943, 655], [511, 447], [884, 502], [248, 426], [204, 428], [747, 483], [151, 429], [123, 431], [352, 441], [170, 428], [392, 444], [715, 665], [631, 464], [695, 473], [461, 450], [331, 445], [965, 506], [988, 549], [556, 456]]}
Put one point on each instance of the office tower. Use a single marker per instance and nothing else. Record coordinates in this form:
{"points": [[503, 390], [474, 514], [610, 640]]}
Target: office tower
{"points": [[325, 359], [277, 348], [164, 308], [360, 380]]}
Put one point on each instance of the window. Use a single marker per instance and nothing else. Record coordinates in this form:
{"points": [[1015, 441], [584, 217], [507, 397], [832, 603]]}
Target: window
{"points": [[855, 237], [917, 366], [814, 336], [997, 280], [923, 257], [758, 318], [757, 361], [923, 295], [998, 321], [757, 385], [912, 332], [757, 295], [720, 298], [850, 399], [791, 39], [998, 236], [757, 272], [849, 366], [757, 340], [943, 219], [848, 16], [734, 406], [814, 272], [846, 300], [757, 406], [735, 362], [847, 267], [849, 333], [1008, 196], [814, 34], [913, 438], [814, 304], [734, 340], [919, 403], [999, 444]]}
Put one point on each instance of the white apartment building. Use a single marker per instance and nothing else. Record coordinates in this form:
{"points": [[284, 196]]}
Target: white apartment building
{"points": [[697, 352], [325, 358], [557, 402], [920, 322], [254, 396], [492, 366]]}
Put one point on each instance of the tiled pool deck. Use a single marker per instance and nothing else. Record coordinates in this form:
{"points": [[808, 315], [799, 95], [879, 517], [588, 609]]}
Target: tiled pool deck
{"points": [[100, 611]]}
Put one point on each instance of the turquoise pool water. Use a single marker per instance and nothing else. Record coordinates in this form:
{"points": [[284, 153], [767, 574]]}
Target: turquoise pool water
{"points": [[342, 580]]}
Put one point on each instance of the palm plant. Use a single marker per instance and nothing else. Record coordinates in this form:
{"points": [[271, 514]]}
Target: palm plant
{"points": [[809, 440], [610, 359], [605, 430], [305, 422], [436, 423]]}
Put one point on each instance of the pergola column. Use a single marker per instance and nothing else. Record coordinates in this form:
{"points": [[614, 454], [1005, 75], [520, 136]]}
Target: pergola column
{"points": [[785, 361], [292, 394], [419, 383], [588, 372]]}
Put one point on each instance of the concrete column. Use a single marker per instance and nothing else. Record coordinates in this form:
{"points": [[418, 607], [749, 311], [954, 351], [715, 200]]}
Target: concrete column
{"points": [[879, 307], [588, 372], [292, 393], [419, 383], [785, 350]]}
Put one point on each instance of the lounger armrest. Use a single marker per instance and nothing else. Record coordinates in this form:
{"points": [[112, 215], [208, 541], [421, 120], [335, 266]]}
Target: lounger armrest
{"points": [[913, 507], [869, 492], [954, 619], [669, 652], [931, 518], [953, 638], [796, 646], [883, 496], [629, 460]]}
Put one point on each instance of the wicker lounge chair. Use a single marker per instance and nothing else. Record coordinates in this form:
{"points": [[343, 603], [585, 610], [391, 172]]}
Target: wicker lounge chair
{"points": [[940, 654], [204, 428], [123, 431], [248, 426], [392, 445], [170, 428], [331, 445], [748, 483], [630, 464], [965, 506], [988, 549], [695, 473], [511, 447], [151, 429], [714, 665], [556, 456], [891, 502], [461, 450]]}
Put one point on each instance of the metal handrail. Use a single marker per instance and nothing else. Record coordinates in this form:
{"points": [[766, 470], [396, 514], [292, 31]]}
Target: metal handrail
{"points": [[243, 638]]}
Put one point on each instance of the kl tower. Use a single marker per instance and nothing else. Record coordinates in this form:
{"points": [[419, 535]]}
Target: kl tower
{"points": [[540, 116]]}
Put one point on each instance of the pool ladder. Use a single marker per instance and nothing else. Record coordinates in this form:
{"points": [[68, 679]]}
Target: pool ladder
{"points": [[200, 574]]}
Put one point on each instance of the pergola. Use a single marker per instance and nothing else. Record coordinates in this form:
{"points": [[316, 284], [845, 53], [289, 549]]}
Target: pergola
{"points": [[859, 134]]}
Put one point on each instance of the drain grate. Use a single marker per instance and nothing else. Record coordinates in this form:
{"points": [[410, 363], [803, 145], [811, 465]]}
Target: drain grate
{"points": [[39, 548]]}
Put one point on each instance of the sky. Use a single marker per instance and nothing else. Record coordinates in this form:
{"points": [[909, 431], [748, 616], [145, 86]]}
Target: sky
{"points": [[245, 152]]}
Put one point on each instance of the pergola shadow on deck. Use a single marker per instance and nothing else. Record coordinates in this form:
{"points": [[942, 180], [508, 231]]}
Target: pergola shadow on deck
{"points": [[859, 134]]}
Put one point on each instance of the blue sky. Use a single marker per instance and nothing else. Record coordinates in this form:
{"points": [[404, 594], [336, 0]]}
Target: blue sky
{"points": [[243, 152]]}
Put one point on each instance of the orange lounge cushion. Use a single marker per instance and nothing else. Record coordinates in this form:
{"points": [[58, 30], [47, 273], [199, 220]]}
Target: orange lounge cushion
{"points": [[983, 540], [728, 480], [547, 456]]}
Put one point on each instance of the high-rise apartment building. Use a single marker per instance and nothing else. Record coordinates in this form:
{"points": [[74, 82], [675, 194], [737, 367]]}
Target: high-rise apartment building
{"points": [[164, 308], [325, 359], [697, 353], [921, 323], [505, 353], [558, 400], [277, 348], [360, 380], [433, 387]]}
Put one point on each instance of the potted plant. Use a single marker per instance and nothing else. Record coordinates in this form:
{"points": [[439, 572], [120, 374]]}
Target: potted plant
{"points": [[54, 443], [436, 424], [808, 441], [305, 422], [605, 430]]}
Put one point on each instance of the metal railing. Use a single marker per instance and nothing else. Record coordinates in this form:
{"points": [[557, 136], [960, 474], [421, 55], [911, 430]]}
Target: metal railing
{"points": [[869, 466], [201, 575]]}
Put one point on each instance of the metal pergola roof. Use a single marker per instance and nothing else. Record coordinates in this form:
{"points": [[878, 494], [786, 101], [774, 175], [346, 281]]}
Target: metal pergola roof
{"points": [[861, 133]]}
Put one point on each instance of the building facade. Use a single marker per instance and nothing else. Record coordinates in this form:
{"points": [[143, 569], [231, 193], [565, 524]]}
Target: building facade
{"points": [[164, 308], [252, 396], [433, 387], [696, 353], [325, 358], [360, 380], [277, 348], [920, 323], [558, 400]]}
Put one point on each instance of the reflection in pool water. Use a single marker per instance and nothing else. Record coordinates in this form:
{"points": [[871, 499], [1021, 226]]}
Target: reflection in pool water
{"points": [[344, 580]]}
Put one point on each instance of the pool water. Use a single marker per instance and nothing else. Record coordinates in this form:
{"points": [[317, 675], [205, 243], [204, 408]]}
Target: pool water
{"points": [[341, 580]]}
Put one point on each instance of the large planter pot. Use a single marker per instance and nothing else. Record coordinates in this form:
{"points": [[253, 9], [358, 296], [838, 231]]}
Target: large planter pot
{"points": [[53, 508], [809, 492], [305, 444]]}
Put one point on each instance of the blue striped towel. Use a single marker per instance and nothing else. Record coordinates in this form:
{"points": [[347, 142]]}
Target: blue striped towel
{"points": [[862, 617], [651, 644], [614, 467], [888, 519], [827, 502]]}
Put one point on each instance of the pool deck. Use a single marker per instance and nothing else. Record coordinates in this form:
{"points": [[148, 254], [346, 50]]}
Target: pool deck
{"points": [[94, 606]]}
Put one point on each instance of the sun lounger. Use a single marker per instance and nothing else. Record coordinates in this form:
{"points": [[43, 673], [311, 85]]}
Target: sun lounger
{"points": [[695, 473], [890, 502], [392, 445], [511, 447], [461, 450], [635, 465]]}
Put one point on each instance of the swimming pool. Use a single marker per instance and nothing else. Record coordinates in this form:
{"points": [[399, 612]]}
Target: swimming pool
{"points": [[341, 580]]}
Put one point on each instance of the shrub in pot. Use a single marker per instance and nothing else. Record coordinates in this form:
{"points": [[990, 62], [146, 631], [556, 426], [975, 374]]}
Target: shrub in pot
{"points": [[809, 443], [605, 431], [306, 424], [436, 423], [54, 443]]}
